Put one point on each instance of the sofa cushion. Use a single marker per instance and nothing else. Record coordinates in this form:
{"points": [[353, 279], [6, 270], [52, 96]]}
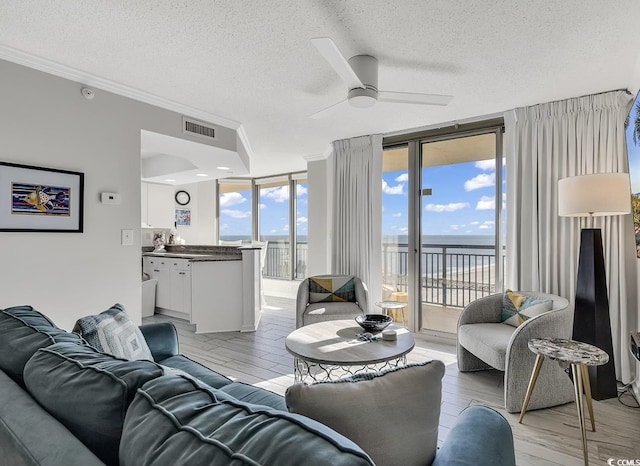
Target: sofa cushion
{"points": [[29, 436], [402, 432], [331, 310], [518, 307], [197, 370], [332, 288], [23, 331], [113, 332], [88, 391], [255, 395], [176, 420], [487, 341]]}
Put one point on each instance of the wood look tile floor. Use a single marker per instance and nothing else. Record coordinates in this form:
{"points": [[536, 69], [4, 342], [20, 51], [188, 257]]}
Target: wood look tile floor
{"points": [[547, 437]]}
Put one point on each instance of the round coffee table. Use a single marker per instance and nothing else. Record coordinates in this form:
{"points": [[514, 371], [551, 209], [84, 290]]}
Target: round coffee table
{"points": [[330, 350]]}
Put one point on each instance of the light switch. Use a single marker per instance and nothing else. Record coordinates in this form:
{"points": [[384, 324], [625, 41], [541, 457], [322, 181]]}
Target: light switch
{"points": [[127, 237]]}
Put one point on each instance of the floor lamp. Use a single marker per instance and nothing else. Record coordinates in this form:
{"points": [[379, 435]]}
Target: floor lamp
{"points": [[589, 196]]}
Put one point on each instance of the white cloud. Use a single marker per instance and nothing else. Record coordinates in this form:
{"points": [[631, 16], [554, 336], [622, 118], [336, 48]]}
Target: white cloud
{"points": [[402, 178], [301, 220], [487, 225], [398, 214], [263, 206], [483, 180], [451, 207], [236, 213], [274, 231], [403, 229], [279, 194], [486, 164], [457, 227], [397, 189], [300, 190], [229, 199], [224, 226], [486, 203], [474, 223], [285, 228]]}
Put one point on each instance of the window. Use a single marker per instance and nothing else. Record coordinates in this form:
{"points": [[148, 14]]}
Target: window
{"points": [[234, 203], [263, 209]]}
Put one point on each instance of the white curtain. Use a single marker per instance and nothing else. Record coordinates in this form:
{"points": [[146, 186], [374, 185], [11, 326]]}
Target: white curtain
{"points": [[548, 142], [357, 211]]}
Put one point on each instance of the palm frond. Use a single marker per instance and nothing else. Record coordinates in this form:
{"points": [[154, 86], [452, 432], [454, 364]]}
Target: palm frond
{"points": [[636, 125]]}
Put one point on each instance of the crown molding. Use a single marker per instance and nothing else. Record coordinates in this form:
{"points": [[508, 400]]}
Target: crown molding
{"points": [[317, 157], [63, 71], [242, 134]]}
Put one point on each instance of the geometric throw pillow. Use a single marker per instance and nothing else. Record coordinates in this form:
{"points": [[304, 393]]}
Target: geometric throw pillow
{"points": [[332, 289], [401, 432], [517, 308], [113, 332]]}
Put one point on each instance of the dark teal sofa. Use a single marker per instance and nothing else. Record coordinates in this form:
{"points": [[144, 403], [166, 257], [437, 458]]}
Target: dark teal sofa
{"points": [[62, 402]]}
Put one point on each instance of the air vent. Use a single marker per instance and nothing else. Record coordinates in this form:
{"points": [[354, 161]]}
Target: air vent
{"points": [[199, 128]]}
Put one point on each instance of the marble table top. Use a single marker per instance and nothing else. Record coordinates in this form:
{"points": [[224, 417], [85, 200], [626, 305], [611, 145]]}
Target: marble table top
{"points": [[569, 351]]}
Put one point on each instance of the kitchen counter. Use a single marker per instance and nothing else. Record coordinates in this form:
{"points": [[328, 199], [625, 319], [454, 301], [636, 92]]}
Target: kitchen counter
{"points": [[196, 257]]}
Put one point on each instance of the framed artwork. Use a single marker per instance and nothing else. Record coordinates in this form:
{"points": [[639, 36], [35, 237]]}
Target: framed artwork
{"points": [[633, 149], [183, 217], [36, 199]]}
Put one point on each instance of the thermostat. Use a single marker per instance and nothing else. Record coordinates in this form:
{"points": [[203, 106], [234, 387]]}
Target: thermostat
{"points": [[110, 198]]}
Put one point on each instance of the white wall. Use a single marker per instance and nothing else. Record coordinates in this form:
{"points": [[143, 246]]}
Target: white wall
{"points": [[45, 121], [203, 213]]}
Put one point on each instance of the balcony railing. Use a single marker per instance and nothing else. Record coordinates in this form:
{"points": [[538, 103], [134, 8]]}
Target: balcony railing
{"points": [[452, 274]]}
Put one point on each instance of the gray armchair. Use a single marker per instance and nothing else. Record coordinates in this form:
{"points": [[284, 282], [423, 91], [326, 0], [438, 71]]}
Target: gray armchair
{"points": [[310, 310], [484, 343]]}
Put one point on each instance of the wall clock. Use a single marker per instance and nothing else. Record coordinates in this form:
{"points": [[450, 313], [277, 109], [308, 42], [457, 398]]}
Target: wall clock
{"points": [[182, 197]]}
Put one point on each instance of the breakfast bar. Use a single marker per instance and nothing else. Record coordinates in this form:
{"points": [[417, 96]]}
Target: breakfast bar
{"points": [[215, 288]]}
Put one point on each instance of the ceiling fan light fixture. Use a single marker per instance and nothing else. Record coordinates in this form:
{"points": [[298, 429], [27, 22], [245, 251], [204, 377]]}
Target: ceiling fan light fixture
{"points": [[362, 98]]}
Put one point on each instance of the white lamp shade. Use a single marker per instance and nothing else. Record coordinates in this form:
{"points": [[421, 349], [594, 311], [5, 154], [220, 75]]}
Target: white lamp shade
{"points": [[599, 194]]}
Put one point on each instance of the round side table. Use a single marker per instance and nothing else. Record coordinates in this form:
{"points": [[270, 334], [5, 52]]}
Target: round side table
{"points": [[578, 355], [386, 306]]}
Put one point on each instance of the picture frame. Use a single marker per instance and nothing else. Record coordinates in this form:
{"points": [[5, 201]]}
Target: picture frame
{"points": [[38, 199], [183, 217]]}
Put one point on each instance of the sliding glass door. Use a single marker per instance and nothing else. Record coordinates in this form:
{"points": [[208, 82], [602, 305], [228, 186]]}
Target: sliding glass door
{"points": [[442, 223], [461, 181]]}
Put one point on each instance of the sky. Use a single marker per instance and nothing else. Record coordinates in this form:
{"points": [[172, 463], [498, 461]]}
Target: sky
{"points": [[235, 212], [462, 200]]}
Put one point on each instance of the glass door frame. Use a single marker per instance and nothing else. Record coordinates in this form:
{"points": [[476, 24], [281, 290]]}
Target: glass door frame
{"points": [[414, 144]]}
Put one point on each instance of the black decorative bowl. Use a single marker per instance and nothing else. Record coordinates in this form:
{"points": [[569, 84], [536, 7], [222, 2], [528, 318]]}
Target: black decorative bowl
{"points": [[373, 322]]}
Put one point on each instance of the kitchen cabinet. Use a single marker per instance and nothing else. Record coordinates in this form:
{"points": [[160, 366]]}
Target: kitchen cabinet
{"points": [[214, 294], [158, 205], [174, 284]]}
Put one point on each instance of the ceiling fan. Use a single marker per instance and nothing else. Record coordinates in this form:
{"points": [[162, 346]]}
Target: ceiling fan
{"points": [[360, 73]]}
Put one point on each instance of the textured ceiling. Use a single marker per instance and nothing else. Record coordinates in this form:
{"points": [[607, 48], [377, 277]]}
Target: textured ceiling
{"points": [[252, 62]]}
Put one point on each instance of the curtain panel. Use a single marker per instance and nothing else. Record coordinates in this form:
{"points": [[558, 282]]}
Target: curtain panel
{"points": [[357, 207], [546, 143]]}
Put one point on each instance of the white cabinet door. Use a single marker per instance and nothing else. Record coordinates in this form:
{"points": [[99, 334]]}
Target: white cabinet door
{"points": [[158, 268], [160, 205], [181, 290]]}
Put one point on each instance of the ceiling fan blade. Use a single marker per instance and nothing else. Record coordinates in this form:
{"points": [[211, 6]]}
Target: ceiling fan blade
{"points": [[338, 62], [326, 111], [414, 98]]}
